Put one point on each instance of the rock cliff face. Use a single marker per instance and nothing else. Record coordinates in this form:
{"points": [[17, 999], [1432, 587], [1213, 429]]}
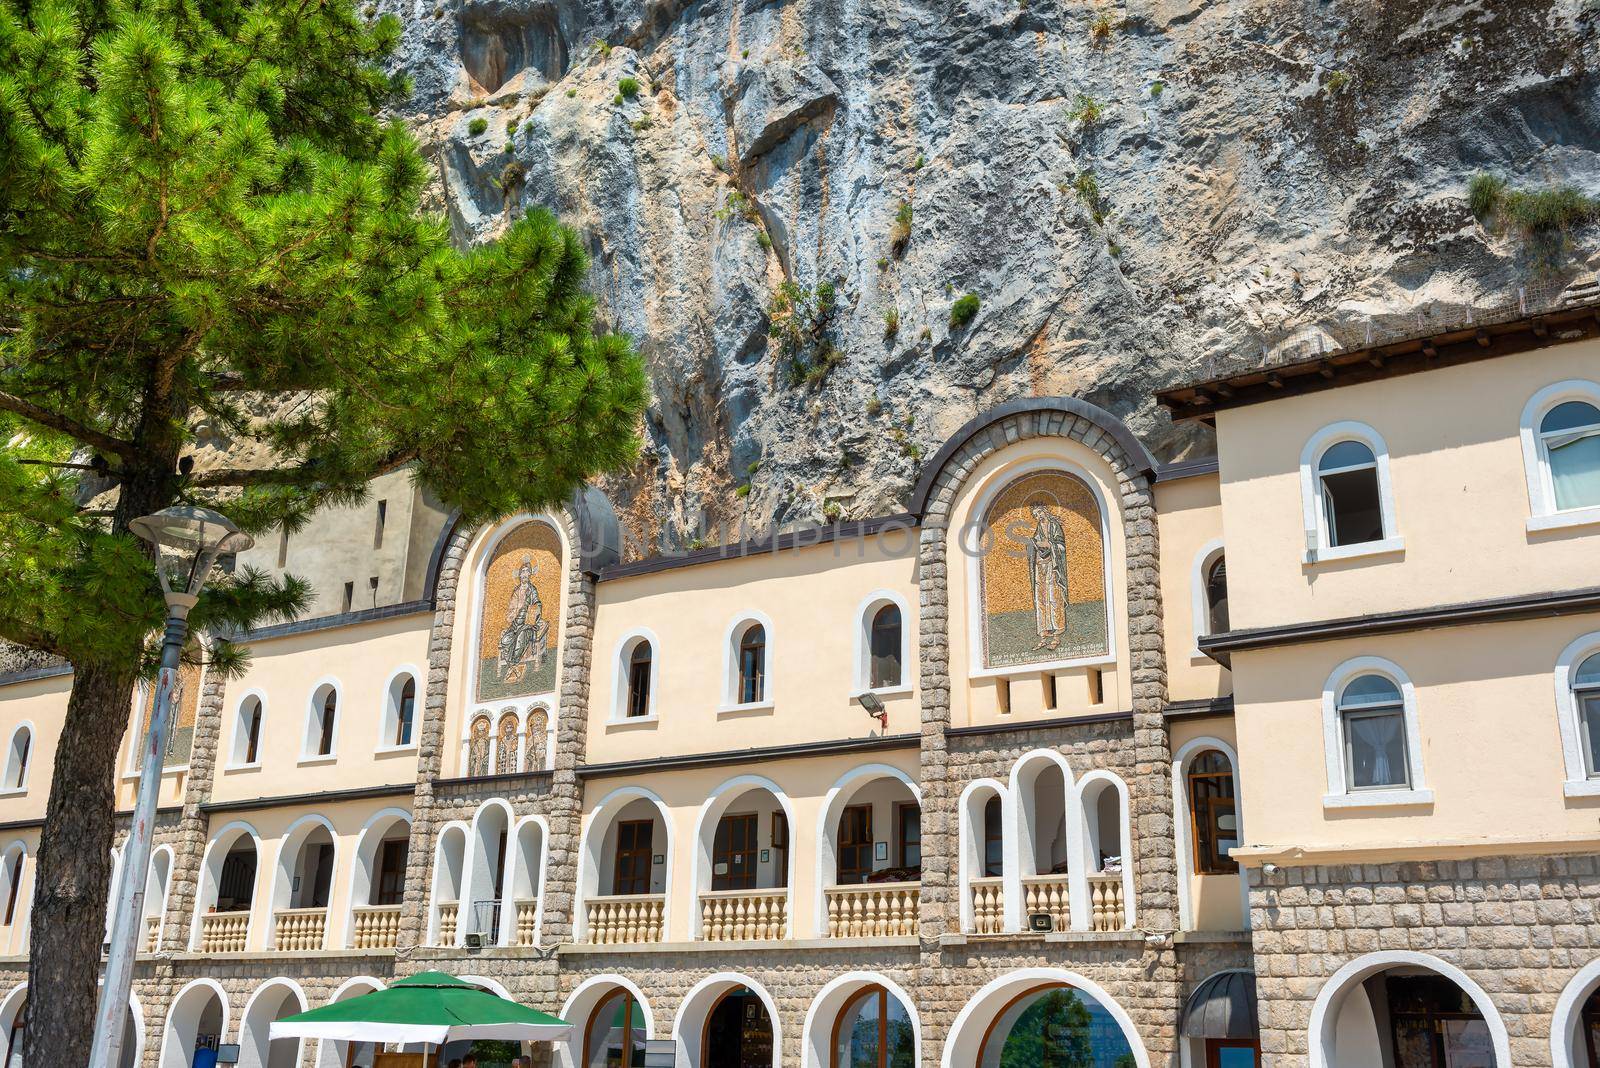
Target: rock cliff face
{"points": [[1126, 189]]}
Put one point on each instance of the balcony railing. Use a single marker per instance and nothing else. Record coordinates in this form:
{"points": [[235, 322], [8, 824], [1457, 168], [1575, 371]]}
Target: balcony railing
{"points": [[486, 921], [1105, 897], [626, 918], [527, 921], [448, 911], [988, 905], [296, 930], [1050, 894], [873, 910], [152, 933], [743, 915], [376, 926], [224, 932]]}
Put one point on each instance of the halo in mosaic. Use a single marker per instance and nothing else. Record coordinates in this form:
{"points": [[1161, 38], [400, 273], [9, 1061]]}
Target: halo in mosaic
{"points": [[185, 705], [1043, 572], [520, 614]]}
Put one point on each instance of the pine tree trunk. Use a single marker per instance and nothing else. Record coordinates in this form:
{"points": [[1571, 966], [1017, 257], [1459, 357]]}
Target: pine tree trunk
{"points": [[72, 880]]}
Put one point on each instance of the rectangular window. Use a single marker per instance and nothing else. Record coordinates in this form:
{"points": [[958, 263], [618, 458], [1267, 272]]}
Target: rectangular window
{"points": [[253, 745], [639, 688], [1232, 1053], [751, 668], [993, 840], [734, 852], [1215, 822], [634, 841], [321, 876], [1375, 749], [377, 533], [1050, 690], [909, 819], [349, 595], [780, 847], [1589, 719], [855, 844], [391, 885]]}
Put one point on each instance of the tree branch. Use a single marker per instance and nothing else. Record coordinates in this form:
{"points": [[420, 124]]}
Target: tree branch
{"points": [[19, 633], [289, 476], [71, 427]]}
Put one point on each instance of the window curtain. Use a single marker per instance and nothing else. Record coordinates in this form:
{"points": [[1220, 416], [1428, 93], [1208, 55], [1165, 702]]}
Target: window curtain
{"points": [[1575, 468], [1378, 733]]}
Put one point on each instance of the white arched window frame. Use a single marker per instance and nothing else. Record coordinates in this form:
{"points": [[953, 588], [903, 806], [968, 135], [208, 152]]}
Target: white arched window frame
{"points": [[591, 847], [971, 834], [622, 677], [1543, 513], [1569, 712], [866, 612], [1093, 785], [19, 760], [449, 883], [730, 663], [211, 865], [1339, 795], [1318, 546], [1183, 823], [1199, 603], [315, 706], [239, 745], [393, 694]]}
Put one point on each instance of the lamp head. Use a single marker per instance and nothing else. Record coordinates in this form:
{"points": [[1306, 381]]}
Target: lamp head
{"points": [[188, 541], [874, 706]]}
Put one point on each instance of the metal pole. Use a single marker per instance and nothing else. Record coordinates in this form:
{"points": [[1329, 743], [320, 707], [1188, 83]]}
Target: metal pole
{"points": [[106, 1052]]}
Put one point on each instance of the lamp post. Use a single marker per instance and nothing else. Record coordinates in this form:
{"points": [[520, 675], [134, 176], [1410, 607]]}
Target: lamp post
{"points": [[187, 541]]}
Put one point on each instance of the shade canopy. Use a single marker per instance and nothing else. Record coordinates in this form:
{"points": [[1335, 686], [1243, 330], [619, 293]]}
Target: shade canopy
{"points": [[429, 1007], [1224, 1006]]}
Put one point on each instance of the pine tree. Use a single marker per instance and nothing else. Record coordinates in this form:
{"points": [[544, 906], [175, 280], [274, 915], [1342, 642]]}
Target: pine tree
{"points": [[208, 233]]}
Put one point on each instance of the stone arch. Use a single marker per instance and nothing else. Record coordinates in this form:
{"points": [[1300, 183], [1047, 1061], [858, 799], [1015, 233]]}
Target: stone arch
{"points": [[1092, 794], [1566, 1038], [449, 884], [363, 871], [529, 846], [694, 1013], [580, 1006], [334, 1054], [827, 830], [974, 797], [592, 846], [817, 1034], [211, 869], [982, 1011], [705, 829], [272, 1000]]}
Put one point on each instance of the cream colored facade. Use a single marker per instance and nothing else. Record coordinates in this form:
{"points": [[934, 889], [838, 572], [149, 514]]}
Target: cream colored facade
{"points": [[695, 808]]}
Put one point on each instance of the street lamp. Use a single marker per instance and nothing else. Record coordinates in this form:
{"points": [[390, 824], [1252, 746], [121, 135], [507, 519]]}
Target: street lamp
{"points": [[187, 541]]}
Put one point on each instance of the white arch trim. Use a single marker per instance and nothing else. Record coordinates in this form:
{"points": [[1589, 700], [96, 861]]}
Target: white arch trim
{"points": [[1324, 1018], [593, 841], [238, 737], [440, 841], [266, 1040], [179, 1058], [1199, 609], [290, 844], [312, 734], [361, 870], [705, 829], [1543, 514], [1130, 899], [741, 622], [371, 983], [28, 761], [1340, 796], [494, 986], [970, 841], [695, 1009], [837, 797], [861, 653], [1565, 1038], [621, 675], [582, 1002], [966, 1034], [389, 714], [471, 860], [1315, 522], [816, 1036], [1578, 783], [208, 878], [1183, 824], [1018, 830], [508, 918]]}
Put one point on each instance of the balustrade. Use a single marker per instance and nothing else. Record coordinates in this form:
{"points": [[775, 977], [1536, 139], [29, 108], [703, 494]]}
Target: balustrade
{"points": [[527, 921], [988, 905], [1105, 897], [1051, 894], [224, 932], [743, 915], [296, 930], [626, 918], [448, 911], [873, 910], [376, 926], [152, 933]]}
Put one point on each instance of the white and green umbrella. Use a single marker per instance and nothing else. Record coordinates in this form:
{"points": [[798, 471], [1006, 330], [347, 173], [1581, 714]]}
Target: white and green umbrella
{"points": [[429, 1007]]}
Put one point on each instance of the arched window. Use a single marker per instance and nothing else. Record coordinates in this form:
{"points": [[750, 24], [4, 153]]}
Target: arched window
{"points": [[1569, 449], [1347, 479], [614, 1037], [405, 711], [322, 724], [994, 852], [16, 770], [1373, 732], [639, 667], [884, 646], [752, 665], [1054, 1024], [478, 747], [1586, 700], [1216, 590], [873, 1030], [1213, 814], [247, 732]]}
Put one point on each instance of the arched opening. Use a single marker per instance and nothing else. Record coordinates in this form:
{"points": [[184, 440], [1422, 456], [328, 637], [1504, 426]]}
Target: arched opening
{"points": [[486, 872], [1216, 593], [303, 886], [1218, 1027], [738, 1032], [885, 669], [377, 887], [1212, 895], [13, 865], [615, 1032], [983, 858], [16, 766], [227, 891], [1103, 802], [639, 667], [742, 878], [322, 722], [449, 880], [1043, 1016], [873, 1030], [272, 1001], [1042, 785], [196, 1025], [400, 710], [1405, 1009], [527, 883], [1569, 447], [625, 872], [14, 1028], [155, 898], [752, 677], [334, 1054], [247, 732], [1575, 1029], [867, 890]]}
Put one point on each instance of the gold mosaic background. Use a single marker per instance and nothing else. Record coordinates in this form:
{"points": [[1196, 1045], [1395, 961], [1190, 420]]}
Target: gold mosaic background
{"points": [[537, 543], [180, 739], [1009, 632]]}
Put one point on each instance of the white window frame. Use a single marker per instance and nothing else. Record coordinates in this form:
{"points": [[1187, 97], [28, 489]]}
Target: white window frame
{"points": [[861, 653], [1543, 514], [308, 748], [1339, 795], [239, 740], [1315, 522], [621, 678], [730, 664], [9, 773], [1578, 783], [393, 686], [1199, 608]]}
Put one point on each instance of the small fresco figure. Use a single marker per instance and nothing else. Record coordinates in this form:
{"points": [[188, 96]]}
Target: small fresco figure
{"points": [[522, 643], [1047, 572]]}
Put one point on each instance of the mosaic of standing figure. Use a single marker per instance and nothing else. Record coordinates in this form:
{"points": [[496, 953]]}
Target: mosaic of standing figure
{"points": [[1044, 588], [185, 705], [521, 614]]}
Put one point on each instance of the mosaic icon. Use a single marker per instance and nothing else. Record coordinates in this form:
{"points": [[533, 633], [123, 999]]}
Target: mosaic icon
{"points": [[521, 613]]}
